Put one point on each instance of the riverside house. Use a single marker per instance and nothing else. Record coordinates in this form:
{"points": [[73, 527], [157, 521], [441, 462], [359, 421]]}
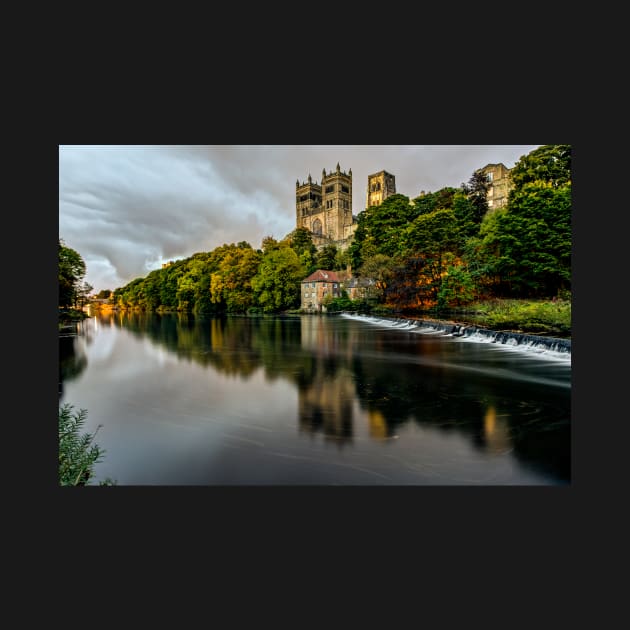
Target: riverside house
{"points": [[317, 287]]}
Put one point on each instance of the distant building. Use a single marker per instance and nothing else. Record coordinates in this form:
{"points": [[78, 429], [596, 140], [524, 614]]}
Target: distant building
{"points": [[380, 186], [355, 288], [316, 287], [500, 185]]}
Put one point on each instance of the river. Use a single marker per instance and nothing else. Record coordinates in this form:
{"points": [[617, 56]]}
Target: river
{"points": [[304, 400]]}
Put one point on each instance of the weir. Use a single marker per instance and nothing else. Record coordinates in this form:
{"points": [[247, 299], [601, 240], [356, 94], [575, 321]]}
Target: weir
{"points": [[550, 346]]}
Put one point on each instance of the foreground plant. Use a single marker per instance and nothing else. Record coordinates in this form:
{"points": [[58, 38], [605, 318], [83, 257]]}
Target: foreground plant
{"points": [[77, 452]]}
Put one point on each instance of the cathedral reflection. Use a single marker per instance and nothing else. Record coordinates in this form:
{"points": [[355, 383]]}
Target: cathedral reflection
{"points": [[325, 397], [325, 404], [496, 436]]}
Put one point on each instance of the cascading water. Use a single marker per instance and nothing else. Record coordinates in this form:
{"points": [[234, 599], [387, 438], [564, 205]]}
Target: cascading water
{"points": [[550, 347]]}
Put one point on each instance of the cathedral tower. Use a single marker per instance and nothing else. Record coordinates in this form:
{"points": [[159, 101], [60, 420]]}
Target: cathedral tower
{"points": [[380, 186], [326, 209]]}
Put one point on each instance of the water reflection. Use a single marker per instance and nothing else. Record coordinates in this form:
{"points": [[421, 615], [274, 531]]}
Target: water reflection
{"points": [[354, 382], [72, 359]]}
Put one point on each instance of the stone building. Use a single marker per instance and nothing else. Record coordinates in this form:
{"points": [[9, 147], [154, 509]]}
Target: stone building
{"points": [[326, 208], [500, 185], [380, 186], [316, 287]]}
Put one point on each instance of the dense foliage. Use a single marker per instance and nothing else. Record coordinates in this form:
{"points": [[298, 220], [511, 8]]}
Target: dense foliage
{"points": [[438, 250]]}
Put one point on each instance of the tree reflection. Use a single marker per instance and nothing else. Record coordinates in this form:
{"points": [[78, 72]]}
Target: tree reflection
{"points": [[72, 360], [392, 377]]}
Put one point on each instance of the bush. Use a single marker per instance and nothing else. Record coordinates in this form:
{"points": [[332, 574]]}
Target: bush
{"points": [[77, 453]]}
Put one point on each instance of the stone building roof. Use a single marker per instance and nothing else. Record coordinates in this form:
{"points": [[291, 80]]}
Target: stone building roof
{"points": [[322, 275]]}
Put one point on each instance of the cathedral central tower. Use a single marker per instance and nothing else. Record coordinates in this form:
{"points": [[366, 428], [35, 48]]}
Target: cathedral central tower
{"points": [[326, 209]]}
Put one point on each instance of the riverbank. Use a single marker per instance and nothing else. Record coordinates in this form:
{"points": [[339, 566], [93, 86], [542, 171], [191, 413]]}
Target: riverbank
{"points": [[68, 319], [534, 317], [542, 318]]}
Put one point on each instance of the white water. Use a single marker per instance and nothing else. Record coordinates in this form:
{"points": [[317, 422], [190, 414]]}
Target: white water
{"points": [[540, 349]]}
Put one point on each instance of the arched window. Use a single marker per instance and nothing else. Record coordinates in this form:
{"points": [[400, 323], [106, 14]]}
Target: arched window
{"points": [[317, 226]]}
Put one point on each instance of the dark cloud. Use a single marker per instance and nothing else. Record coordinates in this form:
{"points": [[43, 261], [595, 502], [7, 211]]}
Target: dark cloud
{"points": [[127, 210]]}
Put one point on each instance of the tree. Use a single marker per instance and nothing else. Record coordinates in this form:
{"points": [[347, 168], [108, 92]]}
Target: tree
{"points": [[550, 163], [82, 293], [429, 202], [326, 257], [378, 272], [434, 241], [301, 240], [457, 287], [526, 249], [71, 272], [230, 284], [277, 282], [379, 228], [476, 191], [269, 243]]}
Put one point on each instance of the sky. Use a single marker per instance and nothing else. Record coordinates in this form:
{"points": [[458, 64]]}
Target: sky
{"points": [[126, 210]]}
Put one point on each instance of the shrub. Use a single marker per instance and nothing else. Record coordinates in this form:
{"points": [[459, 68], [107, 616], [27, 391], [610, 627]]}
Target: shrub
{"points": [[77, 453]]}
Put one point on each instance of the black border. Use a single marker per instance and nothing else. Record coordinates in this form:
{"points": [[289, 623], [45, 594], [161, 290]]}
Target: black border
{"points": [[540, 528]]}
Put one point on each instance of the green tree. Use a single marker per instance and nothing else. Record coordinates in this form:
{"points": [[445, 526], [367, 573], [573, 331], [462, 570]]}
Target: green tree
{"points": [[426, 203], [476, 191], [301, 240], [378, 271], [231, 284], [71, 272], [434, 241], [550, 163], [342, 260], [379, 229], [277, 282], [526, 249], [326, 257], [457, 287]]}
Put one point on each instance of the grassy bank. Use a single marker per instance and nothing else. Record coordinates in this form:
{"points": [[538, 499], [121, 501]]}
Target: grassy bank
{"points": [[534, 317]]}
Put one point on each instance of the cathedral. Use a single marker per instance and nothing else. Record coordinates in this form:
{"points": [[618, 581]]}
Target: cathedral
{"points": [[326, 208]]}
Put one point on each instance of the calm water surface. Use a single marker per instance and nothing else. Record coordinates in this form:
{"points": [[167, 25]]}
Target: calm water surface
{"points": [[186, 400]]}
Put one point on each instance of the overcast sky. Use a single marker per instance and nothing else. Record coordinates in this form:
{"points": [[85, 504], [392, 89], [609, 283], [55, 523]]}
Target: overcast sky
{"points": [[128, 209]]}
